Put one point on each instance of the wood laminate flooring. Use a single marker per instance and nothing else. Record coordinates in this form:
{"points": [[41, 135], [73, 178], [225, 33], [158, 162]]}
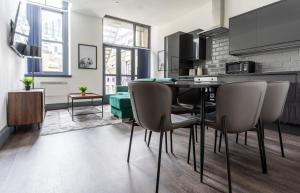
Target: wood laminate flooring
{"points": [[94, 161]]}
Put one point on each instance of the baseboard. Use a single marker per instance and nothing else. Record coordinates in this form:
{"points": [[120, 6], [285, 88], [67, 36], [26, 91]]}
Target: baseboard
{"points": [[57, 106], [4, 135]]}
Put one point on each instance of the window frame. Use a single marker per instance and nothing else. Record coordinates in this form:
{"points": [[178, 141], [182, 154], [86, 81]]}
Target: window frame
{"points": [[135, 24], [65, 43]]}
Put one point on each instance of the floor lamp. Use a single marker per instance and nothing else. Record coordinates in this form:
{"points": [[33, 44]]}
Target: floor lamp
{"points": [[34, 54]]}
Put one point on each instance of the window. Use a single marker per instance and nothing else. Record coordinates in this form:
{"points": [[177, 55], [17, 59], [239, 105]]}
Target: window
{"points": [[52, 41], [52, 25], [141, 36], [118, 32]]}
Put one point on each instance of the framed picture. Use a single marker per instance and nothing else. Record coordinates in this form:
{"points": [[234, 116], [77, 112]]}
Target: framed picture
{"points": [[87, 56], [161, 60]]}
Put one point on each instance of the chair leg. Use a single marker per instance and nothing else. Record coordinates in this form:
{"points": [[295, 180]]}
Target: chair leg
{"points": [[166, 141], [171, 141], [189, 150], [227, 161], [237, 138], [220, 141], [215, 144], [145, 139], [130, 142], [261, 132], [149, 138], [196, 129], [227, 154], [260, 150], [280, 139], [194, 151], [159, 160], [246, 137]]}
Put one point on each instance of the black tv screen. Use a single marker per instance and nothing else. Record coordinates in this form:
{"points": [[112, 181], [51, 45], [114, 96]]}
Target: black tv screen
{"points": [[19, 33]]}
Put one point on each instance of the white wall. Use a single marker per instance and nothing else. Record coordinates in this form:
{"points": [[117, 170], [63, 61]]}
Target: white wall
{"points": [[11, 66], [84, 30], [198, 18]]}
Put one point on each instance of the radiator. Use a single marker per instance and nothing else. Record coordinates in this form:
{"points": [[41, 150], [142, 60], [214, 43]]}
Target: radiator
{"points": [[55, 88]]}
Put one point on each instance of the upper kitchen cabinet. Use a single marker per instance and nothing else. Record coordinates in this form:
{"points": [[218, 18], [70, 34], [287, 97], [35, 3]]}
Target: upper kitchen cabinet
{"points": [[271, 27], [243, 31], [279, 24]]}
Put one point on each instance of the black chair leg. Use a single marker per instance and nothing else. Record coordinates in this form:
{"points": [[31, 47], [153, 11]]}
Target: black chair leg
{"points": [[220, 141], [189, 150], [227, 154], [246, 137], [132, 128], [227, 161], [159, 160], [166, 141], [215, 144], [149, 138], [280, 139], [237, 138], [263, 146], [145, 139], [194, 151], [171, 141], [260, 150], [196, 129]]}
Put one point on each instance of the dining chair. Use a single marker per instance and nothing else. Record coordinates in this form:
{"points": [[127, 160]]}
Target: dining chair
{"points": [[238, 109], [273, 106], [151, 105]]}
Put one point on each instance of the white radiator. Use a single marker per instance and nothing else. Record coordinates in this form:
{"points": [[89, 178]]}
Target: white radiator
{"points": [[55, 88]]}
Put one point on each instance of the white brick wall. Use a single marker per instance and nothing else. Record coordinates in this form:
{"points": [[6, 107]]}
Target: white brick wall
{"points": [[274, 61]]}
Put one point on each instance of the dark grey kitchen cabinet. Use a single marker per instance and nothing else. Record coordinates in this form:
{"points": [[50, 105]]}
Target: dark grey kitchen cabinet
{"points": [[179, 54], [279, 24], [275, 26], [243, 32]]}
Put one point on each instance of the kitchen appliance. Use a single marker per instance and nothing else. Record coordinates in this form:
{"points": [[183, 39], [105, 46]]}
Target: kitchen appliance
{"points": [[240, 67]]}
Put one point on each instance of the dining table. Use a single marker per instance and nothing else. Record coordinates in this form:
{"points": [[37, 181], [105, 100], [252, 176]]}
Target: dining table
{"points": [[202, 87]]}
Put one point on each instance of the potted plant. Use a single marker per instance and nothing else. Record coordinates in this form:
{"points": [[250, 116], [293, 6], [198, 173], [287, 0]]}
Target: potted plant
{"points": [[83, 89], [27, 81]]}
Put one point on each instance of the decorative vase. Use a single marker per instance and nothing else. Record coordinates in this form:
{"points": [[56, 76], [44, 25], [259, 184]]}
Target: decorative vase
{"points": [[27, 87], [83, 94]]}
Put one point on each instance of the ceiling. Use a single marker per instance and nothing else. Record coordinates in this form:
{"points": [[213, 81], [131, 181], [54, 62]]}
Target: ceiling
{"points": [[150, 12]]}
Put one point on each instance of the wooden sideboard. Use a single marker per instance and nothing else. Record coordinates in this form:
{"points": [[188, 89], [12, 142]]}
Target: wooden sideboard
{"points": [[26, 107]]}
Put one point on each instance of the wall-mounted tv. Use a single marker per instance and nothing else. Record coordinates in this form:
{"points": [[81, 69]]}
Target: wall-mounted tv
{"points": [[19, 31]]}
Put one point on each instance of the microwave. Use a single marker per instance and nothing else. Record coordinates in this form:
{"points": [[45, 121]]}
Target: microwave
{"points": [[240, 67]]}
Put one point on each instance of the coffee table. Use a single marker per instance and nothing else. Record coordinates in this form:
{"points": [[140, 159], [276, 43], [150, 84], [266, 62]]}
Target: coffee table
{"points": [[88, 96]]}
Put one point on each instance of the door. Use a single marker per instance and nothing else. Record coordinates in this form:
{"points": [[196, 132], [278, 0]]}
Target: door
{"points": [[119, 69]]}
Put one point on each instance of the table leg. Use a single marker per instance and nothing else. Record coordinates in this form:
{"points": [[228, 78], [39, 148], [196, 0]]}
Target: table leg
{"points": [[72, 110], [102, 107], [202, 142], [92, 102], [68, 104]]}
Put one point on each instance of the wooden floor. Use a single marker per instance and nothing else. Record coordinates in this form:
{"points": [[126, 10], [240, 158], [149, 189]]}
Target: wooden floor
{"points": [[94, 161]]}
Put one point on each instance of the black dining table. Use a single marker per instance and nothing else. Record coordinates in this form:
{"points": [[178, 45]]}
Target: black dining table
{"points": [[201, 87]]}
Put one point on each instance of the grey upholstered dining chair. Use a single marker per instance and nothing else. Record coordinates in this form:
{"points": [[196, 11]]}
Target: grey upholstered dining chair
{"points": [[238, 109], [151, 105], [273, 106]]}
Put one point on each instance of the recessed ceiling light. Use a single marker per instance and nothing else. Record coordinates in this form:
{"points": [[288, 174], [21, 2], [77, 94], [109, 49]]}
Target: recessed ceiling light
{"points": [[117, 2]]}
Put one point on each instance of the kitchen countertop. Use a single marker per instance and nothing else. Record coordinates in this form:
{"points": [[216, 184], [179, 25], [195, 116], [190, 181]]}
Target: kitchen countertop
{"points": [[245, 74]]}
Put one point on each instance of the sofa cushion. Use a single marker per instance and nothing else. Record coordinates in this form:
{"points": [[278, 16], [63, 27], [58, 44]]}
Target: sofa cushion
{"points": [[122, 114], [166, 80], [120, 101], [120, 88]]}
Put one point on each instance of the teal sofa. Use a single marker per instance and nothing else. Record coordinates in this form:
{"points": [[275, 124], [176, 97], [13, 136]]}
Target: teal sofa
{"points": [[120, 102]]}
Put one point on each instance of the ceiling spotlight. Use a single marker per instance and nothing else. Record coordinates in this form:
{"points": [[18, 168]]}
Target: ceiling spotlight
{"points": [[117, 2]]}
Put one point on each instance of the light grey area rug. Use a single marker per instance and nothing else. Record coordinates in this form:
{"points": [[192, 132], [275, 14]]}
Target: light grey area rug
{"points": [[59, 121]]}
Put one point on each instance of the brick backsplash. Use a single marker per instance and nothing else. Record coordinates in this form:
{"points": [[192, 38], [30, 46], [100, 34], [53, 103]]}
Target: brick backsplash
{"points": [[273, 61]]}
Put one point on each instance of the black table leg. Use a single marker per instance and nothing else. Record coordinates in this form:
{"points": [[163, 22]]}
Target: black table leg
{"points": [[102, 107], [68, 104], [72, 110], [202, 140]]}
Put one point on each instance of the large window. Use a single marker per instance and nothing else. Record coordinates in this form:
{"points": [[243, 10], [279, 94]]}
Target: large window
{"points": [[52, 19]]}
